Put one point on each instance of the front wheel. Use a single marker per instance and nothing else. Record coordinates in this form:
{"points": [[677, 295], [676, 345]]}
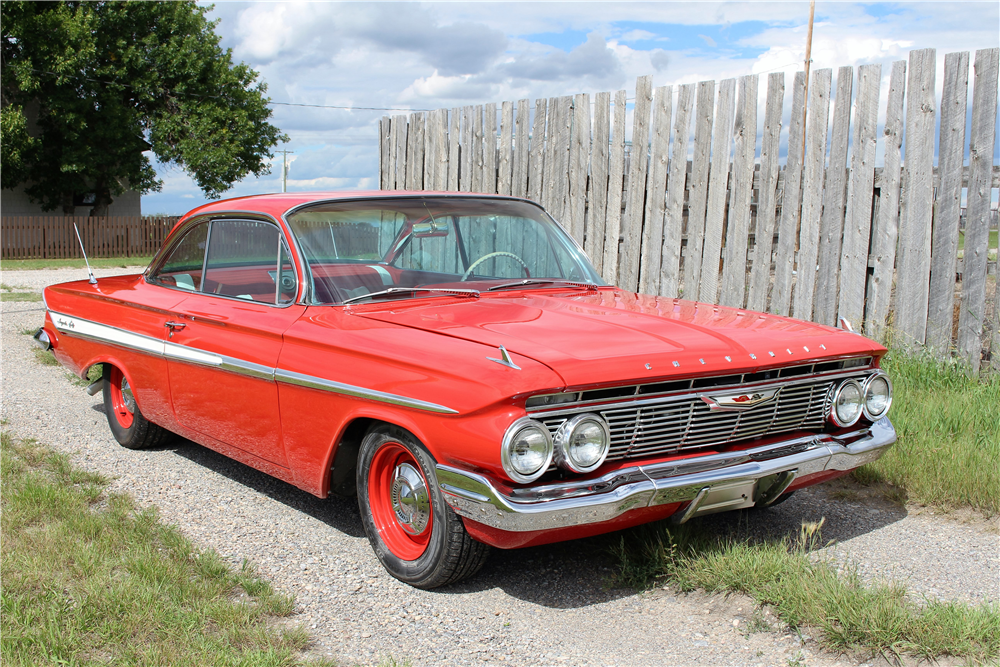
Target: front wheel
{"points": [[129, 427], [416, 536]]}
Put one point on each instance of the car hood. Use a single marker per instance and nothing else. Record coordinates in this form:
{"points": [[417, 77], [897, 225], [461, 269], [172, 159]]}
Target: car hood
{"points": [[609, 336]]}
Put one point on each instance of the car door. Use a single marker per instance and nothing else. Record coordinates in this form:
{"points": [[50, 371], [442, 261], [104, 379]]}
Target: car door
{"points": [[224, 339]]}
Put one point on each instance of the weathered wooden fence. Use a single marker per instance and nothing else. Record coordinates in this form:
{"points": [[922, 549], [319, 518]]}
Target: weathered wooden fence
{"points": [[52, 237], [712, 215]]}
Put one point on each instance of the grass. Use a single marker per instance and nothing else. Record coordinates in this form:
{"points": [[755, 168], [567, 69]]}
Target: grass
{"points": [[20, 296], [95, 262], [88, 577], [948, 425], [806, 591], [994, 238]]}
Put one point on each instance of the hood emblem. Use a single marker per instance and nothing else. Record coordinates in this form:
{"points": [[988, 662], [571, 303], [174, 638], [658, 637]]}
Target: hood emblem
{"points": [[743, 401], [505, 359]]}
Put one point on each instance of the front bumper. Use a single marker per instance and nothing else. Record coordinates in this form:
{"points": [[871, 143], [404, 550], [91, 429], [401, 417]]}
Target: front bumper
{"points": [[711, 483]]}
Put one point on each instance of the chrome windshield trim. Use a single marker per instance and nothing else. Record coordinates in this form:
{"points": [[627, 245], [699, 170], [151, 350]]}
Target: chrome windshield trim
{"points": [[313, 382]]}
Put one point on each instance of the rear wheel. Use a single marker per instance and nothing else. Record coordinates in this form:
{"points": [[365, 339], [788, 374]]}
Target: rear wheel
{"points": [[127, 424], [416, 536]]}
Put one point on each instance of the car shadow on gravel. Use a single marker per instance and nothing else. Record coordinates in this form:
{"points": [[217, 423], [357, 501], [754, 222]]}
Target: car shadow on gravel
{"points": [[576, 574]]}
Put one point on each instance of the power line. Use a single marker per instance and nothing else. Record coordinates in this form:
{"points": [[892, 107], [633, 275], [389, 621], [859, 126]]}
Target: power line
{"points": [[219, 97]]}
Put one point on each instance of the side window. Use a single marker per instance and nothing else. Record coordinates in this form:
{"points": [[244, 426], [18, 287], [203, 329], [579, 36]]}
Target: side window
{"points": [[285, 277], [184, 264], [243, 262]]}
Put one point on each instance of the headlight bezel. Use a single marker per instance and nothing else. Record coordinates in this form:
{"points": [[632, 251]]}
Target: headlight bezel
{"points": [[509, 437], [834, 416], [563, 438], [869, 415]]}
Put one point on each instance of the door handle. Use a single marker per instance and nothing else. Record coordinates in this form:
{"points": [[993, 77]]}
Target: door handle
{"points": [[173, 326]]}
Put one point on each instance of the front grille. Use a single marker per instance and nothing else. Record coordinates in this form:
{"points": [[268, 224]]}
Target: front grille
{"points": [[676, 424]]}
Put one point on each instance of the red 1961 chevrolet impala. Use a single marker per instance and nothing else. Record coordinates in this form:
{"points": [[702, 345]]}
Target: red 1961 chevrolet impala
{"points": [[456, 362]]}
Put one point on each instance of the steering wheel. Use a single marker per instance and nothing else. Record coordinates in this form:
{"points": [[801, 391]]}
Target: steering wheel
{"points": [[468, 272]]}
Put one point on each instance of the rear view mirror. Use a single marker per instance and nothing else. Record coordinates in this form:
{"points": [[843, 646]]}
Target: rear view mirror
{"points": [[423, 230]]}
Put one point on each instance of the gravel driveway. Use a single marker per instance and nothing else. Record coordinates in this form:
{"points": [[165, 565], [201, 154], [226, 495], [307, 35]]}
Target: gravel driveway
{"points": [[545, 605]]}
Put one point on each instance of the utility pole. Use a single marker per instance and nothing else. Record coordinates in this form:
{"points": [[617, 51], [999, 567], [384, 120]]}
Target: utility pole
{"points": [[284, 169]]}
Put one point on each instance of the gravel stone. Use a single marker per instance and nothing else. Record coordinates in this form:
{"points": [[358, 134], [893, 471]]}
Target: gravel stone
{"points": [[540, 606]]}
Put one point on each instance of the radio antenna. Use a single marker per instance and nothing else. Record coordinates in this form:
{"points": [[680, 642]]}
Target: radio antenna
{"points": [[92, 280]]}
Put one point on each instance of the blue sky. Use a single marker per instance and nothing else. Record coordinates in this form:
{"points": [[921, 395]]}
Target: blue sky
{"points": [[433, 55]]}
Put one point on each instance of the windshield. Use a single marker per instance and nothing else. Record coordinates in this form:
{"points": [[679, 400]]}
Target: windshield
{"points": [[369, 247]]}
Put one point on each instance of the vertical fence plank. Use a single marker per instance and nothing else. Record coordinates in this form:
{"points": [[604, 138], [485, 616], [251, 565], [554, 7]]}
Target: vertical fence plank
{"points": [[489, 184], [477, 149], [812, 192], [454, 149], [651, 249], [559, 193], [438, 139], [715, 212], [791, 199], [597, 189], [628, 270], [579, 160], [549, 170], [519, 179], [977, 221], [468, 152], [673, 222], [948, 207], [698, 198], [415, 153], [536, 158], [399, 132], [760, 275], [886, 228], [913, 269], [505, 166], [385, 151], [831, 226], [858, 220], [616, 175], [734, 274]]}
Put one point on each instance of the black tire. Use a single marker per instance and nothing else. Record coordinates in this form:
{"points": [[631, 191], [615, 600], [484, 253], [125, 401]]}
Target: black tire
{"points": [[129, 427], [443, 553]]}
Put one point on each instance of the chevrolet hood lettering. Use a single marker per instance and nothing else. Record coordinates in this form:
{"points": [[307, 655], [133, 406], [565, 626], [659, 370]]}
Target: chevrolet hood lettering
{"points": [[739, 401]]}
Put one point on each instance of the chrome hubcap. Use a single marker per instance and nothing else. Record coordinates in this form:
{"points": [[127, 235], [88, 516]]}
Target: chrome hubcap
{"points": [[410, 500], [127, 397]]}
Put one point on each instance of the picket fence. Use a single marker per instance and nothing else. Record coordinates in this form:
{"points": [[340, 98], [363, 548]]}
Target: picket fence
{"points": [[53, 237], [715, 214]]}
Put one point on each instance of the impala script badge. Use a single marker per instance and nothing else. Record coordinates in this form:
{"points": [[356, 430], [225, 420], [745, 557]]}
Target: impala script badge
{"points": [[740, 401]]}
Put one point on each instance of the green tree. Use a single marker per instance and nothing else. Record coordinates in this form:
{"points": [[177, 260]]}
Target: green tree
{"points": [[107, 82]]}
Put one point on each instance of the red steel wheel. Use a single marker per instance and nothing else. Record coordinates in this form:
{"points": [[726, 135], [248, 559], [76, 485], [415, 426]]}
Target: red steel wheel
{"points": [[127, 424], [416, 536], [400, 501], [122, 399]]}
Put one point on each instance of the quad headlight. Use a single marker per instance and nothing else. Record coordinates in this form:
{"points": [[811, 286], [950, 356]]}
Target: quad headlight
{"points": [[582, 443], [847, 404], [878, 396], [526, 451]]}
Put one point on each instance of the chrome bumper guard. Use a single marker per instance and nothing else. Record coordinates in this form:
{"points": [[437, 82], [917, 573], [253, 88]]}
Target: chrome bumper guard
{"points": [[711, 483]]}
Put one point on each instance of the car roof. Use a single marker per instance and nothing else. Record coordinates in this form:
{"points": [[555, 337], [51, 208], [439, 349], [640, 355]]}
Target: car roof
{"points": [[276, 205]]}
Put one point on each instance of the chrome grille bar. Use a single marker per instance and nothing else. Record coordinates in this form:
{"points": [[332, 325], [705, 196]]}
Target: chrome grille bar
{"points": [[676, 424]]}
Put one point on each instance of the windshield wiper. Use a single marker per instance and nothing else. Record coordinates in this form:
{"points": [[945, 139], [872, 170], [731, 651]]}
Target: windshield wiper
{"points": [[541, 281], [411, 290]]}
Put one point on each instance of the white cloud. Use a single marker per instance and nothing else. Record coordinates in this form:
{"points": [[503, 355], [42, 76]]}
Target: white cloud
{"points": [[443, 55]]}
